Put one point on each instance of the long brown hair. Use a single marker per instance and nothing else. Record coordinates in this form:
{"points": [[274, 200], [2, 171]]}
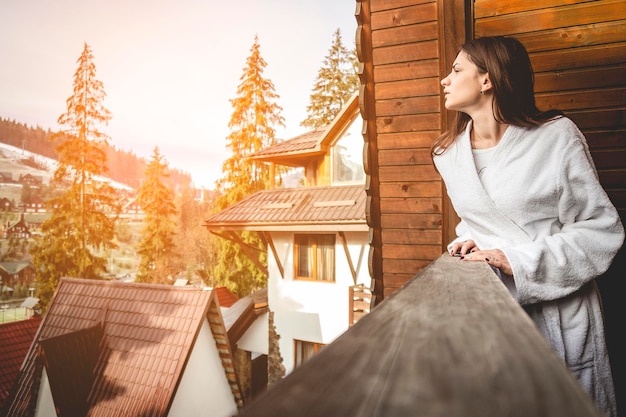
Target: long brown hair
{"points": [[511, 74]]}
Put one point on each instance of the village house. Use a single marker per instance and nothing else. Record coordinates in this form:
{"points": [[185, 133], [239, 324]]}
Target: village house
{"points": [[316, 235], [147, 349]]}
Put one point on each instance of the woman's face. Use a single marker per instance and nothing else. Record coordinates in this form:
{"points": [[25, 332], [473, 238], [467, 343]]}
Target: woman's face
{"points": [[462, 87]]}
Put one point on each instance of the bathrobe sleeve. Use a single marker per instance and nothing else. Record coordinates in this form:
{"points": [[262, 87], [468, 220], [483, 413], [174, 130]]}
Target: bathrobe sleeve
{"points": [[541, 203]]}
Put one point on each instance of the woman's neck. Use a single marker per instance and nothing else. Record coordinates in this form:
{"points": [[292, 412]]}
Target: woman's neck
{"points": [[486, 134]]}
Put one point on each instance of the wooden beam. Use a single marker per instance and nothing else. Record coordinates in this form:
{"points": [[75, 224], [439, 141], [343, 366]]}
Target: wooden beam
{"points": [[451, 342], [344, 243], [267, 239]]}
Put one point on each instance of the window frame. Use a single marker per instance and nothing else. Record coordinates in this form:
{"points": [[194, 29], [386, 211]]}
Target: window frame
{"points": [[315, 253]]}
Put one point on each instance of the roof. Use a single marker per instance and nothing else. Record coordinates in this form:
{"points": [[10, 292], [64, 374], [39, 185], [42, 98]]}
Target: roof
{"points": [[15, 340], [225, 297], [13, 267], [147, 334], [295, 152], [291, 151], [332, 208]]}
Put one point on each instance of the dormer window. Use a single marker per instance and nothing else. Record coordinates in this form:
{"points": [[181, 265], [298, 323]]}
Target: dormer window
{"points": [[347, 155]]}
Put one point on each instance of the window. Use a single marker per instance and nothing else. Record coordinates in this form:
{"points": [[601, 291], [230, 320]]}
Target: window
{"points": [[347, 155], [305, 350], [314, 257]]}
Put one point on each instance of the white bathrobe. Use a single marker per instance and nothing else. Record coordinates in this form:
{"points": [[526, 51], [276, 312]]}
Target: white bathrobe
{"points": [[541, 203]]}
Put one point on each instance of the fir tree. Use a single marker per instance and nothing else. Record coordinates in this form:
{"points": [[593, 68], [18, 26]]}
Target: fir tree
{"points": [[253, 123], [336, 81], [159, 261], [82, 223]]}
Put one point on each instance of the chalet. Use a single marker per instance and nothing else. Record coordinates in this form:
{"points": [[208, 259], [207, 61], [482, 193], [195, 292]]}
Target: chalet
{"points": [[6, 204], [146, 350], [30, 180], [19, 230], [35, 205], [316, 235], [17, 273]]}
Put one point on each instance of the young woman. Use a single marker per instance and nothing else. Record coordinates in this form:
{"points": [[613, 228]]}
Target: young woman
{"points": [[531, 206]]}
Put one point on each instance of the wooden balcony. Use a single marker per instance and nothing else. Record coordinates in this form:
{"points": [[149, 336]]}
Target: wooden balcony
{"points": [[451, 342]]}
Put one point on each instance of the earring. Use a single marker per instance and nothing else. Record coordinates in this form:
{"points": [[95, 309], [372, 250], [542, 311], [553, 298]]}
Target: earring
{"points": [[482, 92]]}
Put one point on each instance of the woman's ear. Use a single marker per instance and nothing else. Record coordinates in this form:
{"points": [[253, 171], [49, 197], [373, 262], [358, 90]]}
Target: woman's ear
{"points": [[486, 86]]}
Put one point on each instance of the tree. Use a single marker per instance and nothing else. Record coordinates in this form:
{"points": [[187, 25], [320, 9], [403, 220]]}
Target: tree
{"points": [[336, 81], [253, 123], [82, 222], [159, 260]]}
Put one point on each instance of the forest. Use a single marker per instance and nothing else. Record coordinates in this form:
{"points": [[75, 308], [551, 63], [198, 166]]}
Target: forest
{"points": [[123, 166]]}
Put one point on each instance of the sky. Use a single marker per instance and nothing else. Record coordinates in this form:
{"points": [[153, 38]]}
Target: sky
{"points": [[169, 67]]}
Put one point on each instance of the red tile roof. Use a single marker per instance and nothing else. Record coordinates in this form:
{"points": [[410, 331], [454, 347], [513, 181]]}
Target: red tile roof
{"points": [[148, 334], [15, 340], [225, 297], [333, 208]]}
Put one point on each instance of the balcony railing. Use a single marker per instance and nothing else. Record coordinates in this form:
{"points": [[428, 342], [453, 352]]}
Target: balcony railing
{"points": [[451, 342]]}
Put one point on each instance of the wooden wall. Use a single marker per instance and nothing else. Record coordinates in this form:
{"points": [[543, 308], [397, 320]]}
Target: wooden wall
{"points": [[578, 51]]}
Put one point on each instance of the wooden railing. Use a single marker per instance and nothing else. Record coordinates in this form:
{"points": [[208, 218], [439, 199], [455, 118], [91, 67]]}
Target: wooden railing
{"points": [[451, 342], [359, 302]]}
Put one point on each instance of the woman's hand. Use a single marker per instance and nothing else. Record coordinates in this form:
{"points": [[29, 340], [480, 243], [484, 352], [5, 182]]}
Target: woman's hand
{"points": [[463, 248], [494, 257]]}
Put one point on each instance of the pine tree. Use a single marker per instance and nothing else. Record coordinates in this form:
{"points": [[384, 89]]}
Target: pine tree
{"points": [[336, 81], [159, 260], [82, 223], [253, 123]]}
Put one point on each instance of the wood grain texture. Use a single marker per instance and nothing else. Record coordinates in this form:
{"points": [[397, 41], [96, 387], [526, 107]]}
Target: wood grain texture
{"points": [[451, 342]]}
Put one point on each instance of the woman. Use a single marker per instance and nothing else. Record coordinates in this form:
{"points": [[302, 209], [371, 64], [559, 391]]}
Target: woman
{"points": [[531, 206]]}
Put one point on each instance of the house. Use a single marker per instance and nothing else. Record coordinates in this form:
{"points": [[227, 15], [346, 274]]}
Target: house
{"points": [[145, 349], [16, 273], [6, 204], [19, 230], [30, 180], [316, 235], [15, 340]]}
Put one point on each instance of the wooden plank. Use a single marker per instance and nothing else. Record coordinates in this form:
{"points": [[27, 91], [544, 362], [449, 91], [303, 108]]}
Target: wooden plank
{"points": [[434, 348], [588, 78], [420, 156], [613, 179], [574, 37], [587, 13], [401, 173], [410, 205], [411, 236], [609, 159], [408, 123], [408, 105], [404, 16], [583, 99], [408, 189], [599, 119], [408, 88], [613, 54], [406, 34], [407, 140], [425, 68], [405, 53], [410, 221], [392, 251], [606, 139], [378, 5], [404, 268], [486, 8]]}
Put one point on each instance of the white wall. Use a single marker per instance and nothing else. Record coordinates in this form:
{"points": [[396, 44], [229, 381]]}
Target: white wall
{"points": [[313, 311], [45, 402], [256, 338], [204, 388]]}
